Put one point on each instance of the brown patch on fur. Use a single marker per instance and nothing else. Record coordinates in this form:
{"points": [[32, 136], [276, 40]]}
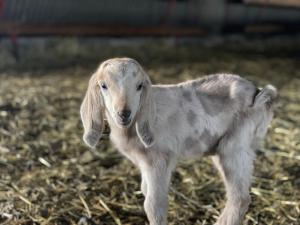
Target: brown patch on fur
{"points": [[190, 142], [123, 68], [187, 95], [180, 103], [213, 104], [191, 117], [172, 118]]}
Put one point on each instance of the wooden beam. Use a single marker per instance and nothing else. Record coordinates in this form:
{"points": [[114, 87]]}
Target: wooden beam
{"points": [[286, 3], [94, 30]]}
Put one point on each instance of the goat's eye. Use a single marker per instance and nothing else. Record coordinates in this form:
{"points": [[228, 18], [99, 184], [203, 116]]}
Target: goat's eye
{"points": [[139, 87], [103, 85]]}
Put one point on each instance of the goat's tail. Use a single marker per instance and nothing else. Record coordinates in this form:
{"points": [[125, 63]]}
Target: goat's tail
{"points": [[266, 96], [264, 102]]}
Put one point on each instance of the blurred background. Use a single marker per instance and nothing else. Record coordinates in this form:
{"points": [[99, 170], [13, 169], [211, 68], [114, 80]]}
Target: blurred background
{"points": [[48, 50]]}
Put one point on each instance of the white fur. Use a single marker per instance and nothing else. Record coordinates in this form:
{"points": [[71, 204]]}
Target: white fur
{"points": [[219, 115]]}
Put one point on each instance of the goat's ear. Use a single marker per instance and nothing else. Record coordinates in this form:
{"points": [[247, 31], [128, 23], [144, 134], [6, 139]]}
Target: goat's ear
{"points": [[145, 133], [146, 115], [91, 112]]}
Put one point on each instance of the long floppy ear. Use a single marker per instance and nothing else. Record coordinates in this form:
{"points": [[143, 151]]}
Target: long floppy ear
{"points": [[91, 112], [146, 115]]}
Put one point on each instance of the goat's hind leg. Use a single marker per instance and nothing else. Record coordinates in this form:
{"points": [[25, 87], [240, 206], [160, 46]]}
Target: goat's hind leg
{"points": [[235, 166]]}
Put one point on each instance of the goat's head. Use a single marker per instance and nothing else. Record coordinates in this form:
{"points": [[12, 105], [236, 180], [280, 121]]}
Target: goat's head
{"points": [[122, 89]]}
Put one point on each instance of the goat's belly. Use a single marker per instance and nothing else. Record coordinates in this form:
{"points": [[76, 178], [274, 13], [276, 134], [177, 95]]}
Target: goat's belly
{"points": [[191, 149]]}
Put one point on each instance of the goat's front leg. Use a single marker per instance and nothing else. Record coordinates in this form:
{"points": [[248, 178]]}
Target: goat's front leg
{"points": [[143, 184], [155, 184]]}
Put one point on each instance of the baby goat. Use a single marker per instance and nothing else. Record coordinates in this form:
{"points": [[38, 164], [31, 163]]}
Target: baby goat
{"points": [[153, 125]]}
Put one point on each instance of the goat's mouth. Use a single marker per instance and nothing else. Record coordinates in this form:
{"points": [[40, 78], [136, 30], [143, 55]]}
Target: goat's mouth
{"points": [[124, 123]]}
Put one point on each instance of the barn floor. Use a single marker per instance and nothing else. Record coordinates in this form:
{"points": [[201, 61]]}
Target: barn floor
{"points": [[48, 176]]}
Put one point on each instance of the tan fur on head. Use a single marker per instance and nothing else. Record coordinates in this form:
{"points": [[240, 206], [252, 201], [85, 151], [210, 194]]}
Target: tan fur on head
{"points": [[121, 77]]}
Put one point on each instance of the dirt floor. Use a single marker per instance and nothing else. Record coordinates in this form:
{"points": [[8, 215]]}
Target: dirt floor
{"points": [[48, 176]]}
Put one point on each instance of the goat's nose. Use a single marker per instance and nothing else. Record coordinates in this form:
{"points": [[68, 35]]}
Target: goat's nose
{"points": [[124, 114]]}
